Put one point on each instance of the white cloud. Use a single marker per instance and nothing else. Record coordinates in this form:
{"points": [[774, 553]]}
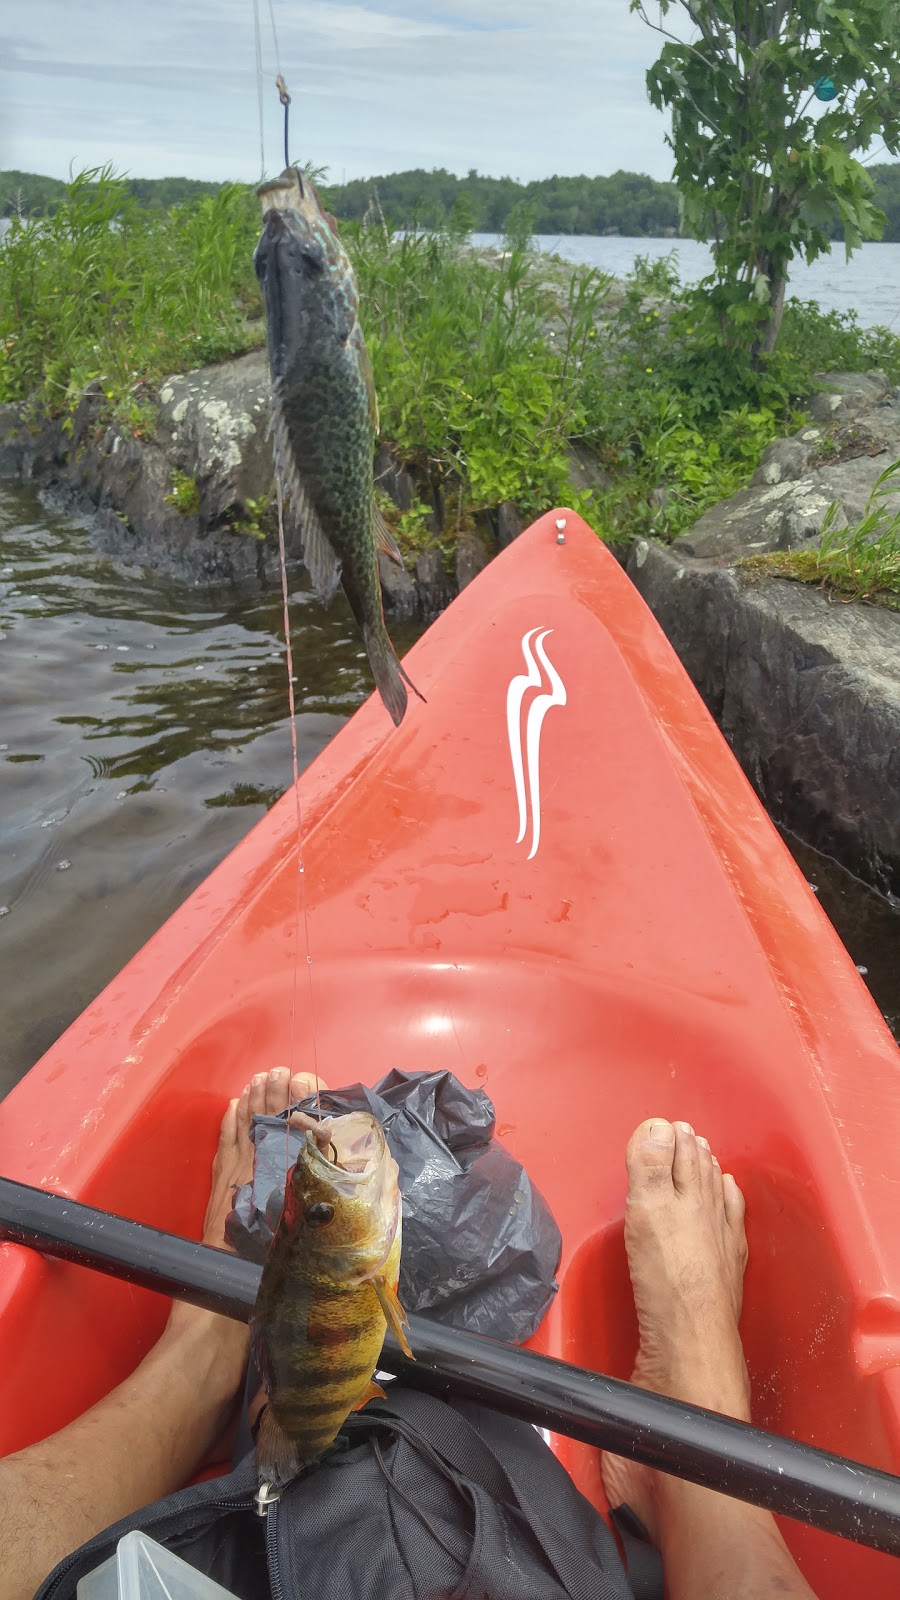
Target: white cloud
{"points": [[507, 86]]}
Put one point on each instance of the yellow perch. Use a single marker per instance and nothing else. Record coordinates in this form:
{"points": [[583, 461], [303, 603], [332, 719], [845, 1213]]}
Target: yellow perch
{"points": [[328, 1290]]}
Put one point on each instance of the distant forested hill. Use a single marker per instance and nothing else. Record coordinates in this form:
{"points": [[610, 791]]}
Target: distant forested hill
{"points": [[626, 203], [33, 195]]}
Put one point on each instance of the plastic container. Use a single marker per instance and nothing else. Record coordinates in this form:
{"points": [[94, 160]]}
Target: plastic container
{"points": [[141, 1569]]}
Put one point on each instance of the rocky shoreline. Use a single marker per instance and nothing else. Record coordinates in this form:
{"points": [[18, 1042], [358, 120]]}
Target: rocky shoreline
{"points": [[806, 689]]}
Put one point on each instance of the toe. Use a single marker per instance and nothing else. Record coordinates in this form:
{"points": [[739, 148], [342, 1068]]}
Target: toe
{"points": [[278, 1091], [648, 1158], [718, 1190], [304, 1084], [706, 1165], [686, 1161], [229, 1129], [256, 1096], [734, 1202]]}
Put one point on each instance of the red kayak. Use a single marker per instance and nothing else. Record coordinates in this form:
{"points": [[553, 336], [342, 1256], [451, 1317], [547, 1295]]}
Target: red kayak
{"points": [[554, 880]]}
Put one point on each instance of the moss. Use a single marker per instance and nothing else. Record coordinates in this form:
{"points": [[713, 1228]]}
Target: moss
{"points": [[184, 495]]}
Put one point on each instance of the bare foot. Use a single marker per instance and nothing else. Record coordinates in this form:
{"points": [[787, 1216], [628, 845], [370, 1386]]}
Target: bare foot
{"points": [[684, 1234], [265, 1095], [225, 1341]]}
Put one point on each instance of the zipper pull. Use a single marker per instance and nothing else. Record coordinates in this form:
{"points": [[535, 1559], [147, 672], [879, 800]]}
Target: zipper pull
{"points": [[266, 1495]]}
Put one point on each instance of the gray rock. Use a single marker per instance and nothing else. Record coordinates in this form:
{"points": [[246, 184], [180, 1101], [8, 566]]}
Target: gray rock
{"points": [[846, 394], [399, 592], [472, 556], [394, 479], [434, 586], [509, 524], [785, 460], [585, 471], [213, 426], [783, 515], [13, 442], [806, 691]]}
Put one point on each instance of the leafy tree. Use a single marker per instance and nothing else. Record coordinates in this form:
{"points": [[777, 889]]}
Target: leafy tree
{"points": [[760, 173]]}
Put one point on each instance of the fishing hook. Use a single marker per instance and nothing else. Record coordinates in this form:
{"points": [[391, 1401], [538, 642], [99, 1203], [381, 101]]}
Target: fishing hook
{"points": [[285, 99]]}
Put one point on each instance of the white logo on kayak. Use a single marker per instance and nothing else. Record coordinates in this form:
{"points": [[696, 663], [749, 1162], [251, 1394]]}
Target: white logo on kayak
{"points": [[526, 754]]}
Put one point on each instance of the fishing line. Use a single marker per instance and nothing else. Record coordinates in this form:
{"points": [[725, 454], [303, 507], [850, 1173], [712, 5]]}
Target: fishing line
{"points": [[259, 88], [301, 907]]}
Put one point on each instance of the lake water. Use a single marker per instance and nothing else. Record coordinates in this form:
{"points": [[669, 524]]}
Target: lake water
{"points": [[869, 283], [143, 729]]}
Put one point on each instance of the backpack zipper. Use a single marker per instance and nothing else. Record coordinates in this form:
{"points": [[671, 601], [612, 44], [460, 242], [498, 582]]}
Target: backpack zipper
{"points": [[269, 1510]]}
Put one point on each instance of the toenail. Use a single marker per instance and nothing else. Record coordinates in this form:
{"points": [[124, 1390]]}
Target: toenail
{"points": [[661, 1133], [704, 1142], [276, 1073], [259, 1078], [684, 1127]]}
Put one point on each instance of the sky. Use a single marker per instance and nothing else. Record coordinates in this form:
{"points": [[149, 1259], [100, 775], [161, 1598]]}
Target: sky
{"points": [[524, 88]]}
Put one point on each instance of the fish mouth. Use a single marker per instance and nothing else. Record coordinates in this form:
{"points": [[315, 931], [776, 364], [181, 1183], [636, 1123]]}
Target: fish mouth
{"points": [[282, 194], [356, 1166], [359, 1150]]}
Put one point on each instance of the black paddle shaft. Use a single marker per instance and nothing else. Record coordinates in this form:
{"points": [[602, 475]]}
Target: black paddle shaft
{"points": [[795, 1480]]}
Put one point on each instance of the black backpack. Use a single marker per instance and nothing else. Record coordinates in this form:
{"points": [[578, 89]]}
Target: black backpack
{"points": [[418, 1500]]}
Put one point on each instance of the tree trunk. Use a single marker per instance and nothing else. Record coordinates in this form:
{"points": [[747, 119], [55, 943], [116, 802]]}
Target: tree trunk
{"points": [[771, 328]]}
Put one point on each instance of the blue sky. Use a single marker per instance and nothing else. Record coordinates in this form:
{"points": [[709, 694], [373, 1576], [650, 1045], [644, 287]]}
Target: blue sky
{"points": [[524, 87]]}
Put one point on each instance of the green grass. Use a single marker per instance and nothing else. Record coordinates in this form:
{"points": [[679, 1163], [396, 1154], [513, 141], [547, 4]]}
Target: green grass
{"points": [[858, 563], [486, 369], [105, 290]]}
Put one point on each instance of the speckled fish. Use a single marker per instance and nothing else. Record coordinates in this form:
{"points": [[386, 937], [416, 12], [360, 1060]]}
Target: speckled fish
{"points": [[325, 420], [327, 1292]]}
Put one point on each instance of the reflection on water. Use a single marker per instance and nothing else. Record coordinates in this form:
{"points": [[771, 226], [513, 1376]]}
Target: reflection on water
{"points": [[143, 729]]}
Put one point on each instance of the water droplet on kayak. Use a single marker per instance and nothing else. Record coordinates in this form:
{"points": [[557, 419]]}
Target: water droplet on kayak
{"points": [[63, 866], [863, 972], [481, 1070], [504, 1128], [814, 887]]}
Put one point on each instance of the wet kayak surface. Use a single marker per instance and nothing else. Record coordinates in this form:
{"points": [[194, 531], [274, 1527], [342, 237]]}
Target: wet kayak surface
{"points": [[144, 729]]}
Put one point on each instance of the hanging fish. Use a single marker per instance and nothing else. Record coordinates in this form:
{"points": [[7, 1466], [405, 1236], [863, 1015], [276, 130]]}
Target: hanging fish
{"points": [[328, 1291], [325, 411]]}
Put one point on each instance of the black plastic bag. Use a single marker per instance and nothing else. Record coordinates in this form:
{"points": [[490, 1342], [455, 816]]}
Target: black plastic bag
{"points": [[480, 1244]]}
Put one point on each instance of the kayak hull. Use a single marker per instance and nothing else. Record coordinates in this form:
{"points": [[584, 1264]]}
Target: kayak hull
{"points": [[553, 880]]}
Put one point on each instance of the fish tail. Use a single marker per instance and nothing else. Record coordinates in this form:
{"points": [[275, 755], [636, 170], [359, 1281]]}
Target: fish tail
{"points": [[388, 673], [278, 1459]]}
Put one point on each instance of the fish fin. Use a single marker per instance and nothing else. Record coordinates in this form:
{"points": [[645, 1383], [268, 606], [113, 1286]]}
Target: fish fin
{"points": [[321, 562], [368, 377], [386, 671], [394, 1314], [277, 1460], [384, 539], [373, 1392]]}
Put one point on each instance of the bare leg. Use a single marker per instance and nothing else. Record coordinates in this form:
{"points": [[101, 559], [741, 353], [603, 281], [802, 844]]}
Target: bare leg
{"points": [[147, 1437], [684, 1232]]}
